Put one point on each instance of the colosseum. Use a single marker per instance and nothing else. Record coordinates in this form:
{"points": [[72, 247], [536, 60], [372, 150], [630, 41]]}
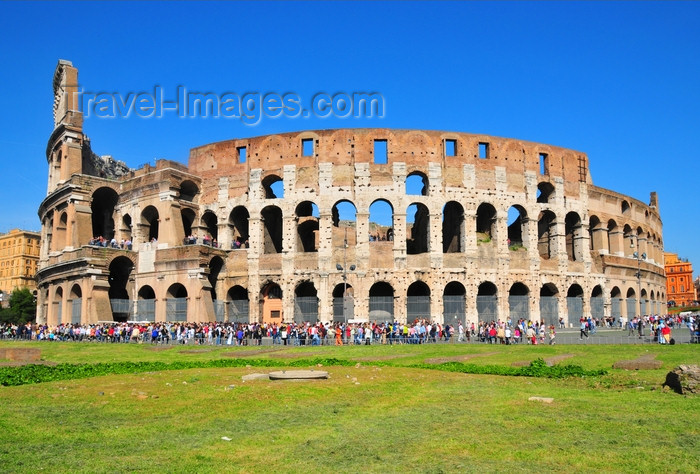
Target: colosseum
{"points": [[339, 225]]}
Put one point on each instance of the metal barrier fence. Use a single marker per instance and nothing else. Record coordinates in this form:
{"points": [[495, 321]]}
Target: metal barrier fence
{"points": [[305, 309], [453, 309], [76, 306], [343, 309], [122, 309], [519, 307], [381, 308], [574, 309], [219, 311], [417, 307], [145, 310], [597, 307], [487, 307], [176, 309], [549, 310], [238, 310], [616, 308]]}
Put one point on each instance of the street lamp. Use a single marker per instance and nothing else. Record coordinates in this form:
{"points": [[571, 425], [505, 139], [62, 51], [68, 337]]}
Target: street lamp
{"points": [[344, 268], [639, 268]]}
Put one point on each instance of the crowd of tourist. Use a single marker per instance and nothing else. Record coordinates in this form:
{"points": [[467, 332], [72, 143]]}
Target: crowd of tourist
{"points": [[419, 332], [111, 243], [191, 239]]}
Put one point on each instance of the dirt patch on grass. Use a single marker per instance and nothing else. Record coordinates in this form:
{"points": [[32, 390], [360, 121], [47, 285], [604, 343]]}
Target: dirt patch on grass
{"points": [[644, 362], [19, 354], [462, 358], [196, 351]]}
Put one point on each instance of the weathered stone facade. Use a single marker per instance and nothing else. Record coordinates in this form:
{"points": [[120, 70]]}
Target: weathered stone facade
{"points": [[295, 220]]}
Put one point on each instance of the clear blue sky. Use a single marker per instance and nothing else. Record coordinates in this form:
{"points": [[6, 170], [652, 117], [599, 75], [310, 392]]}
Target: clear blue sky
{"points": [[618, 81]]}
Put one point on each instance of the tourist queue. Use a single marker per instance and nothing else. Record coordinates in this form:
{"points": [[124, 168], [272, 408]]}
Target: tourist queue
{"points": [[421, 331]]}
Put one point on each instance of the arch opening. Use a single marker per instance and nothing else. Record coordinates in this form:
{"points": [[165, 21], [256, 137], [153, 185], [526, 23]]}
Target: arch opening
{"points": [[452, 228], [417, 229]]}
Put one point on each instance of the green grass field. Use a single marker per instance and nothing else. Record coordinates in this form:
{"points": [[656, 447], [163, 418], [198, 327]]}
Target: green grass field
{"points": [[378, 415]]}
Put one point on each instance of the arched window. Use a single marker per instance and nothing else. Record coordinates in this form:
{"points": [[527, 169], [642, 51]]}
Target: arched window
{"points": [[452, 228], [176, 303], [238, 304], [574, 304], [454, 301], [305, 303], [238, 223], [417, 302], [417, 229], [487, 302], [545, 192], [381, 302], [616, 303], [344, 217], [146, 305], [597, 303], [272, 229], [546, 224], [211, 222], [631, 303], [103, 203], [188, 217], [119, 271], [573, 231], [549, 305], [188, 190], [76, 301], [273, 187], [271, 307], [150, 221], [343, 302], [519, 302], [307, 217], [517, 227], [381, 221], [417, 184], [485, 222]]}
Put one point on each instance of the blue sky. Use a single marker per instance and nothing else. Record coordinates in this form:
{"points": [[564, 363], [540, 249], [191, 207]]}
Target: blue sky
{"points": [[618, 81]]}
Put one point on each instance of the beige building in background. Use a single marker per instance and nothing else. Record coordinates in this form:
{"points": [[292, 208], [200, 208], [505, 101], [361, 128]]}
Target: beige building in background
{"points": [[19, 259], [363, 224]]}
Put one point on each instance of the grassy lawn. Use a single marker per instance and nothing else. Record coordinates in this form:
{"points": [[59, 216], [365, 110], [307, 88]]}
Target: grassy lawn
{"points": [[366, 417]]}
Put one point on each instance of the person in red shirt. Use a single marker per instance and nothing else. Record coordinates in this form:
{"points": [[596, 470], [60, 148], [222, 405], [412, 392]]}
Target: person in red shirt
{"points": [[666, 333]]}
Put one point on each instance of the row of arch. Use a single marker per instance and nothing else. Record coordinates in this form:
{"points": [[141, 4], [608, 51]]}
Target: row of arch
{"points": [[611, 237], [381, 217], [380, 304], [381, 220]]}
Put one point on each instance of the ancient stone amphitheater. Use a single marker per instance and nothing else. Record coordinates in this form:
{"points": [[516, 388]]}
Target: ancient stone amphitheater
{"points": [[335, 225]]}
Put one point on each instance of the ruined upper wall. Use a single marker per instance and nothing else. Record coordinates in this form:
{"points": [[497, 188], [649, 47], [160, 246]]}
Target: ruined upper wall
{"points": [[416, 148], [66, 110]]}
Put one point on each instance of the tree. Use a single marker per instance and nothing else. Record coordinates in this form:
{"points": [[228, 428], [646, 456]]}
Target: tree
{"points": [[22, 307]]}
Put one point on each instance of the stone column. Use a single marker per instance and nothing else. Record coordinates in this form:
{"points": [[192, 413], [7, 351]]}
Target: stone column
{"points": [[399, 223]]}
